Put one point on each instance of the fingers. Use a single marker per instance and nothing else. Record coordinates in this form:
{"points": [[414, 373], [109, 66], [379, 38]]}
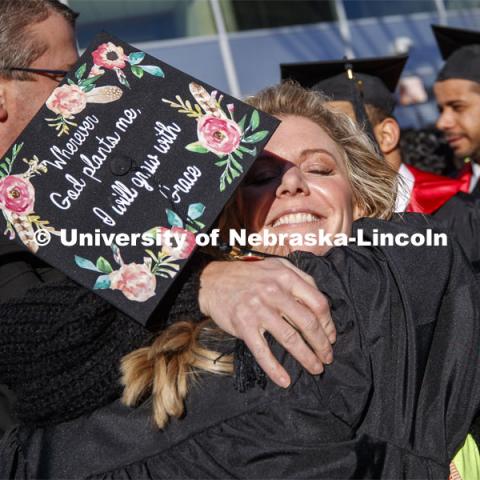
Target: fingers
{"points": [[275, 296], [309, 343], [258, 346], [317, 303], [309, 279], [303, 288]]}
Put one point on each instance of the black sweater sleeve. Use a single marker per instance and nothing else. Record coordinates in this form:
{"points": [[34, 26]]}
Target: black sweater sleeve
{"points": [[59, 332]]}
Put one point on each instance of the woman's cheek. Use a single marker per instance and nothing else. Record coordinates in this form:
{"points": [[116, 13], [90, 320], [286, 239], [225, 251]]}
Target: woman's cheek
{"points": [[255, 206]]}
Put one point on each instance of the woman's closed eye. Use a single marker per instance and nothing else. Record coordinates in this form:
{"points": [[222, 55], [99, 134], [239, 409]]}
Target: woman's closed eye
{"points": [[318, 163], [318, 169]]}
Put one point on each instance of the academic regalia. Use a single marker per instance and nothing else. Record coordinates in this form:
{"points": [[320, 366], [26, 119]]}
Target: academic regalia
{"points": [[364, 81], [19, 271], [460, 49], [470, 174], [376, 80], [396, 402], [461, 215], [429, 191]]}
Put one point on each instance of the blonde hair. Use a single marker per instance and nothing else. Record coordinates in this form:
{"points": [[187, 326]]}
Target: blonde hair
{"points": [[165, 368], [169, 364]]}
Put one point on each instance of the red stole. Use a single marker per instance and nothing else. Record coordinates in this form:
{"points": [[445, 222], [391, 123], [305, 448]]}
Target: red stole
{"points": [[466, 173], [431, 191]]}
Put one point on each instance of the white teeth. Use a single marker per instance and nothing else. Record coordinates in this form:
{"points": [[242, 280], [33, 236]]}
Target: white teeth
{"points": [[295, 218]]}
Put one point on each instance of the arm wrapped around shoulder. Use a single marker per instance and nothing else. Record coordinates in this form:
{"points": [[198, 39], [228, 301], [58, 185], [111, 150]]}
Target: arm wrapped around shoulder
{"points": [[418, 314]]}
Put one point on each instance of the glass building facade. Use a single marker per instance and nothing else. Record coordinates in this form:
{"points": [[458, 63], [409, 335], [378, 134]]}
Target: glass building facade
{"points": [[261, 34]]}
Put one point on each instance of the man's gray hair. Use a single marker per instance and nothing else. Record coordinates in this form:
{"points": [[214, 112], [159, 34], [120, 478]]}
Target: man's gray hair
{"points": [[19, 48]]}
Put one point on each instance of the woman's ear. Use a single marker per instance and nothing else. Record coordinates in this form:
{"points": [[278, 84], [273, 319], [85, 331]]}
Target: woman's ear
{"points": [[357, 212], [387, 133]]}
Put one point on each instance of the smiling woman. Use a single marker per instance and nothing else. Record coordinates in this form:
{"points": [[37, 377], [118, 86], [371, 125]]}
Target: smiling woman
{"points": [[397, 401], [306, 181]]}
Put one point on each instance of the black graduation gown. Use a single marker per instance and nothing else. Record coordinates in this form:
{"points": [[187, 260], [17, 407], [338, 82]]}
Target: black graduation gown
{"points": [[461, 216], [397, 401], [476, 191]]}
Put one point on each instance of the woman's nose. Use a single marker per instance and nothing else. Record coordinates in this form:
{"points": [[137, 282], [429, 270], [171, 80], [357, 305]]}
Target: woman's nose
{"points": [[293, 183]]}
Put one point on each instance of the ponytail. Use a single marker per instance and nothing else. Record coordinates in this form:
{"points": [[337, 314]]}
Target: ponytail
{"points": [[165, 368]]}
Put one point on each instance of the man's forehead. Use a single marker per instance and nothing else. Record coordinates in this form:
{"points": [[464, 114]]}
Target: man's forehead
{"points": [[57, 37], [455, 89]]}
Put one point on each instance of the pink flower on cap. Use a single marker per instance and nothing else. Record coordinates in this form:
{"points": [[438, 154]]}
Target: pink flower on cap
{"points": [[110, 56], [219, 135], [67, 100], [17, 195], [186, 243], [135, 281], [95, 71]]}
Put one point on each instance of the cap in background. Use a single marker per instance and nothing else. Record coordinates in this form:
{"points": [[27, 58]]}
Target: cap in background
{"points": [[461, 50]]}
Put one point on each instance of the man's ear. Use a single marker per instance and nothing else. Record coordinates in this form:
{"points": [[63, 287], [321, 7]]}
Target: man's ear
{"points": [[387, 133], [3, 102]]}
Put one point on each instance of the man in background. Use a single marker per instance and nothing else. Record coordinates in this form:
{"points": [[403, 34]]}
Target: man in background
{"points": [[457, 92], [37, 43]]}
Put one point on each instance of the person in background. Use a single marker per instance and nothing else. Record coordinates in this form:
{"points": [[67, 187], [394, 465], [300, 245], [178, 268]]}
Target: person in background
{"points": [[457, 92], [365, 91], [37, 47]]}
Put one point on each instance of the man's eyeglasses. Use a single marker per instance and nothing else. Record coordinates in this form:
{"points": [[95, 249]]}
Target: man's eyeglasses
{"points": [[59, 74]]}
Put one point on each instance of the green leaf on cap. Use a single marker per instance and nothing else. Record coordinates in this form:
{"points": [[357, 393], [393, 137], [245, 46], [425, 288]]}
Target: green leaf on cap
{"points": [[136, 57], [103, 265], [153, 70], [173, 219], [103, 282], [197, 147], [195, 210], [85, 263]]}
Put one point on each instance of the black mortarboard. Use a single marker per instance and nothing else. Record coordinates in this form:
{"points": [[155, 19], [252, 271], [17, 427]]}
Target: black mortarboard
{"points": [[129, 145], [376, 78], [461, 50]]}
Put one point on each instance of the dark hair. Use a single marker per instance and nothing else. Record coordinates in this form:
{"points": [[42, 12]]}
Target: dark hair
{"points": [[427, 149], [377, 115], [18, 48]]}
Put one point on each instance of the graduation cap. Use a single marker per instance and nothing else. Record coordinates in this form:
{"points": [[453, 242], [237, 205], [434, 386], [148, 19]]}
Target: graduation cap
{"points": [[376, 78], [365, 81], [127, 161], [461, 50]]}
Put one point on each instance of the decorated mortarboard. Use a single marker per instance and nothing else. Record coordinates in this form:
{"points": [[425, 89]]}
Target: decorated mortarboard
{"points": [[133, 156], [461, 50], [375, 78]]}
